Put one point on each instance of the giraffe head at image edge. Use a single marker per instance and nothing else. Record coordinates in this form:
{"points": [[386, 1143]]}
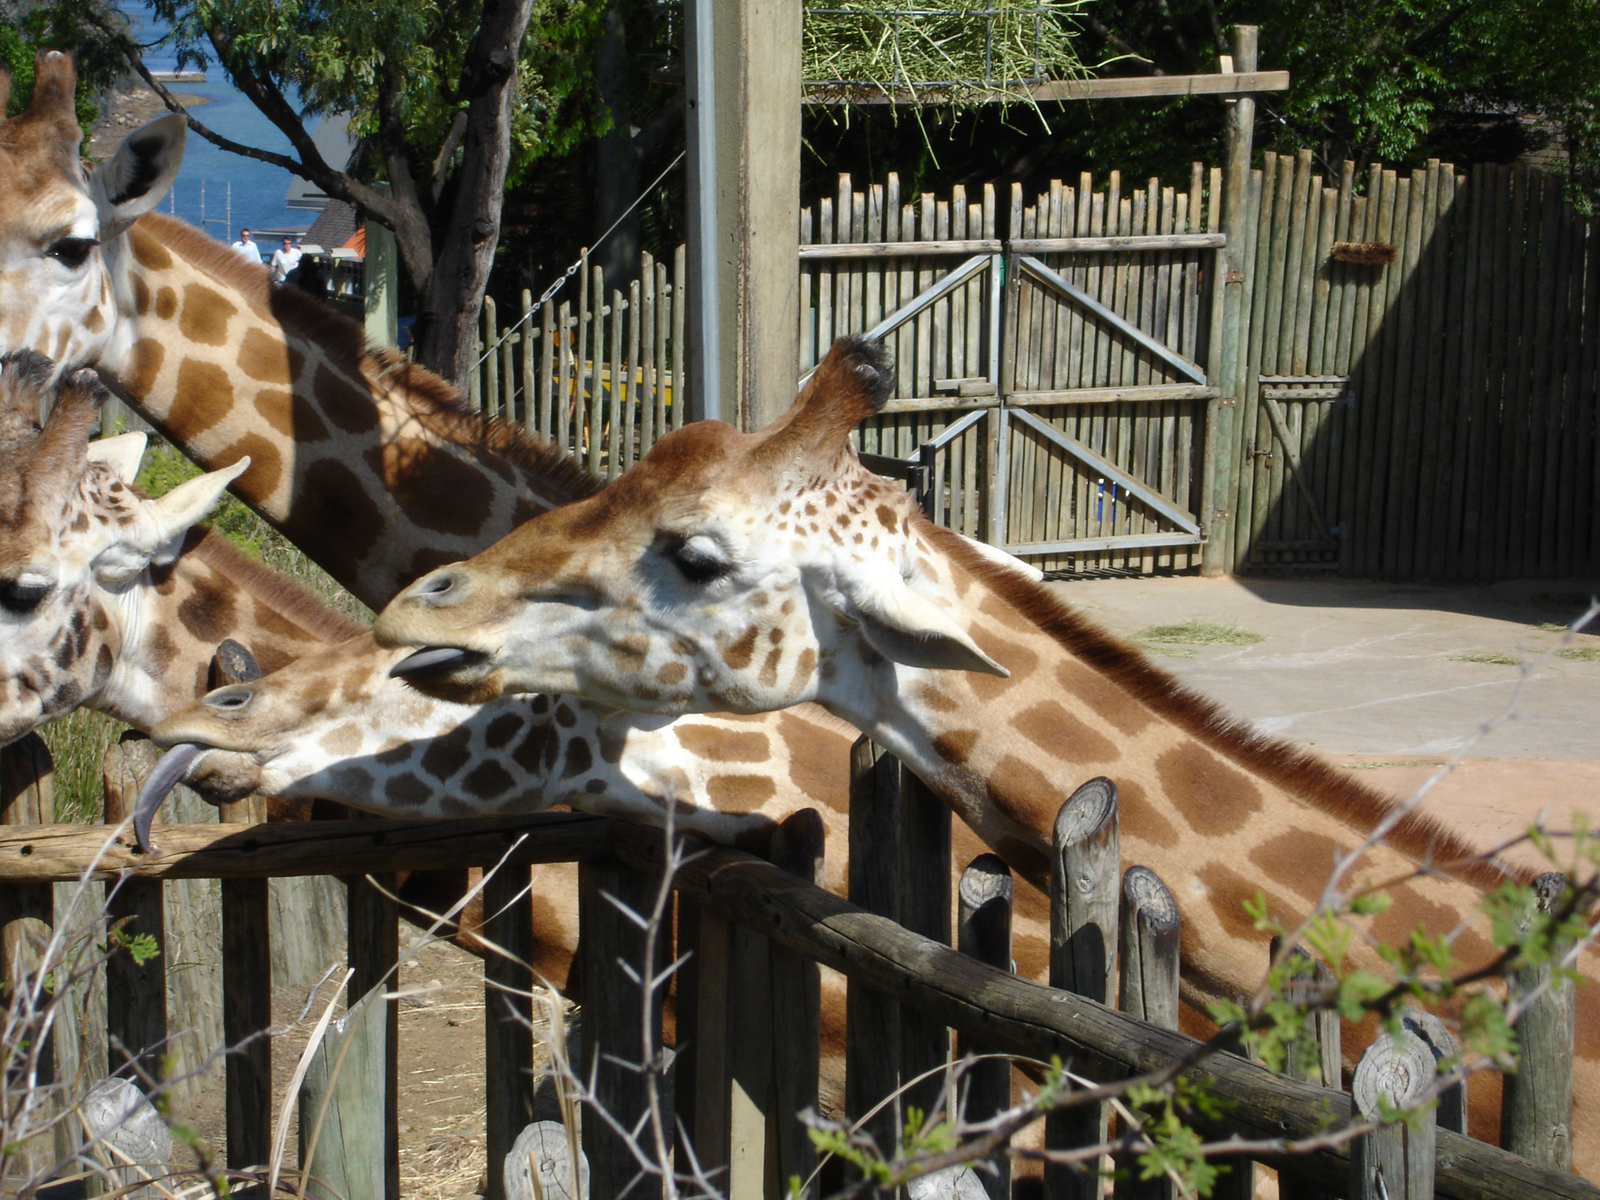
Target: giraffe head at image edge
{"points": [[726, 572], [63, 219], [75, 536]]}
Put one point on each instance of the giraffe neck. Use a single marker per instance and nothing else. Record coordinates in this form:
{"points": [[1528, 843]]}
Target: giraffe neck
{"points": [[372, 466], [1218, 812], [163, 628]]}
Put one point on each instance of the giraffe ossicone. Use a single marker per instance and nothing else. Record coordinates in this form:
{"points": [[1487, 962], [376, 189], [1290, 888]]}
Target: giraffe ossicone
{"points": [[732, 571]]}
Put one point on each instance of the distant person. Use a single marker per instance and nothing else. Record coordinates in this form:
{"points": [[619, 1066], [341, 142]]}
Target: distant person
{"points": [[284, 259], [247, 249]]}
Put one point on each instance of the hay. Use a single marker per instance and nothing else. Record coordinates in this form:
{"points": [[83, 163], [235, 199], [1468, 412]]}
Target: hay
{"points": [[959, 53]]}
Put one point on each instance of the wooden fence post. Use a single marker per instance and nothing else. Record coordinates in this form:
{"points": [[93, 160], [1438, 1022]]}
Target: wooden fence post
{"points": [[136, 995], [1395, 1161], [924, 846], [344, 1110], [1149, 928], [372, 948], [797, 847], [1083, 953], [1536, 1105], [985, 933], [615, 1010], [27, 911], [508, 1015], [247, 1006], [872, 1030], [1328, 1067]]}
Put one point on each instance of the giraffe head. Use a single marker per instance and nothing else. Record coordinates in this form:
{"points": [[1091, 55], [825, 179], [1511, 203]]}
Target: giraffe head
{"points": [[56, 291], [726, 572], [74, 538]]}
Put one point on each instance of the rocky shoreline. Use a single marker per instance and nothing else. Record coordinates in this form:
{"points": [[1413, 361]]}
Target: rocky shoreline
{"points": [[126, 107]]}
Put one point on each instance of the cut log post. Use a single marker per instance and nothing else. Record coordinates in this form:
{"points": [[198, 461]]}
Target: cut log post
{"points": [[1395, 1161], [1451, 1112], [1536, 1104], [1149, 927], [1084, 871], [797, 848], [984, 932], [343, 1110]]}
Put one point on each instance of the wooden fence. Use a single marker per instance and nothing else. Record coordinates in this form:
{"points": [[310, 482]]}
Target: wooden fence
{"points": [[748, 1001], [1062, 367]]}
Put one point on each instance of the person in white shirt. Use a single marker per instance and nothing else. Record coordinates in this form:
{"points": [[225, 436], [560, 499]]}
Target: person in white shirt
{"points": [[284, 259], [247, 249]]}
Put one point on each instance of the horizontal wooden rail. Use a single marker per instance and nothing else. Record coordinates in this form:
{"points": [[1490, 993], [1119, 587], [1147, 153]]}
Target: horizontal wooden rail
{"points": [[1025, 1018], [1103, 245], [1240, 83], [816, 250], [58, 853]]}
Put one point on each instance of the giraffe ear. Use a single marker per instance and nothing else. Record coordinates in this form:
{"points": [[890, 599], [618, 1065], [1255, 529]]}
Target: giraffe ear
{"points": [[157, 536], [139, 174], [122, 453], [906, 628]]}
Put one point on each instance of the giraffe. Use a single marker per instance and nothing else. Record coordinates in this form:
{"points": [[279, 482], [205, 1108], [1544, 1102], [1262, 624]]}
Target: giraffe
{"points": [[371, 465], [745, 572], [339, 725], [107, 598]]}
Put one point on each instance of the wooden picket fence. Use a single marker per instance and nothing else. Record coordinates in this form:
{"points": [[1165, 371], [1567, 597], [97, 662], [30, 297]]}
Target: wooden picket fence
{"points": [[1070, 375], [748, 998]]}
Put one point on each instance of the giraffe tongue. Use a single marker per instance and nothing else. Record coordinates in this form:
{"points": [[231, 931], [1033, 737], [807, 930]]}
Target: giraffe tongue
{"points": [[170, 770], [430, 658]]}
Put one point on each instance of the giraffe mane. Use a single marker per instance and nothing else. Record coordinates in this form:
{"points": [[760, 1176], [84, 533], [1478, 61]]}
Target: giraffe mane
{"points": [[1282, 763], [438, 405], [281, 593]]}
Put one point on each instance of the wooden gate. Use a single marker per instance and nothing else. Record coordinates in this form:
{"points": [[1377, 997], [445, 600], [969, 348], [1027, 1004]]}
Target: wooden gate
{"points": [[1053, 387]]}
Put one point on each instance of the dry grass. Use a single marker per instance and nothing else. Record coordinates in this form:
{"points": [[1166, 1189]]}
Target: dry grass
{"points": [[1198, 633], [1580, 654], [1488, 658]]}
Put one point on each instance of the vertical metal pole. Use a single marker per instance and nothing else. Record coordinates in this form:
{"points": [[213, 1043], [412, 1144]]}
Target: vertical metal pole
{"points": [[705, 350]]}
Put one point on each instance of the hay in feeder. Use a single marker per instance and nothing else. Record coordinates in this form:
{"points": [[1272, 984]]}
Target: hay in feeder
{"points": [[959, 53], [1366, 254]]}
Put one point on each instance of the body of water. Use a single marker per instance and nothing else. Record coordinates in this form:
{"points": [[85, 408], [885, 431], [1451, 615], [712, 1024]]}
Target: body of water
{"points": [[217, 190]]}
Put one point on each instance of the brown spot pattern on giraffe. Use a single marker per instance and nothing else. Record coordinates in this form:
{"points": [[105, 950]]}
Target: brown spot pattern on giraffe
{"points": [[1227, 892], [291, 415], [268, 359], [441, 492], [341, 515], [162, 651], [407, 790], [351, 779], [501, 730], [166, 303], [487, 780], [671, 673], [1058, 732], [537, 750], [202, 398], [151, 253], [393, 756], [144, 364], [1299, 861], [205, 315], [628, 653], [342, 739], [348, 408], [580, 758], [448, 754], [1217, 798], [209, 613], [739, 654], [1141, 820], [723, 745], [612, 743], [1102, 695], [740, 793]]}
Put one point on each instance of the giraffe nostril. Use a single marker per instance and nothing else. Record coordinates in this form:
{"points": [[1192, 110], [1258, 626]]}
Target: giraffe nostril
{"points": [[436, 587]]}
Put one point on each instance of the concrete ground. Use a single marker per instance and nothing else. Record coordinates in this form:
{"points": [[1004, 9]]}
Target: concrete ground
{"points": [[1397, 680]]}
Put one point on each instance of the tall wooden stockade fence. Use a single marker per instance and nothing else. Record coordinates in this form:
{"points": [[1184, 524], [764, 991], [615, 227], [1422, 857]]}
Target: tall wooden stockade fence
{"points": [[748, 999], [1388, 375]]}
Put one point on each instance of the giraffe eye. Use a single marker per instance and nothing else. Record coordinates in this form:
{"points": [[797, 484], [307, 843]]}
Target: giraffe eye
{"points": [[22, 598], [229, 699], [71, 252], [698, 559]]}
